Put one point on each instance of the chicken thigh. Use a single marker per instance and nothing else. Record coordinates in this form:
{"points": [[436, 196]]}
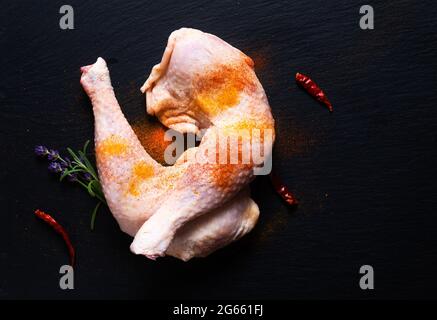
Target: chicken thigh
{"points": [[196, 206], [135, 185], [202, 82]]}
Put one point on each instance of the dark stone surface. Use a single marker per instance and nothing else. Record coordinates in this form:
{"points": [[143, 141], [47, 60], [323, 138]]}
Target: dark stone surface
{"points": [[365, 175]]}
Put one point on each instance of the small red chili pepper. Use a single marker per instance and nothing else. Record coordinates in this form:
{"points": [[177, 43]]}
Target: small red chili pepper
{"points": [[59, 229], [313, 89], [282, 190]]}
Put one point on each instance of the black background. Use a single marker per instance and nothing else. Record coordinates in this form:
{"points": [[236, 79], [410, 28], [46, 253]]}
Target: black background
{"points": [[365, 175]]}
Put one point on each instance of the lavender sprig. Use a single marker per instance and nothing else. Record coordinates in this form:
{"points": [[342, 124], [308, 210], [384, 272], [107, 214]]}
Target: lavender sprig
{"points": [[78, 170], [53, 155], [55, 167], [41, 151]]}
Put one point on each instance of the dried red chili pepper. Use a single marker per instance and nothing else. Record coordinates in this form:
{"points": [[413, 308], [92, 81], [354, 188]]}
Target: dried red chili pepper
{"points": [[313, 89], [282, 190], [59, 229]]}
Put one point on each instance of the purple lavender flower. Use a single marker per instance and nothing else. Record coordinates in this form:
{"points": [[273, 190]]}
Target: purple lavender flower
{"points": [[87, 177], [41, 151], [55, 167], [53, 155], [65, 163], [72, 177]]}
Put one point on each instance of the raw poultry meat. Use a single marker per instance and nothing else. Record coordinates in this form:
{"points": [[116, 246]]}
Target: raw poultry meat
{"points": [[135, 185], [193, 207]]}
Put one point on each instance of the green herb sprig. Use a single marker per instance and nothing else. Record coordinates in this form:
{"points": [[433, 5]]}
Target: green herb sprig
{"points": [[78, 169]]}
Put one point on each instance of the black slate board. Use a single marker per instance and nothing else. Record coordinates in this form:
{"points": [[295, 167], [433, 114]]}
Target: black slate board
{"points": [[365, 175]]}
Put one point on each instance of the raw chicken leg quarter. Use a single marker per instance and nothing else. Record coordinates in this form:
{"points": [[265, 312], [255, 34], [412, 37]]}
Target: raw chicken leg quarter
{"points": [[194, 207]]}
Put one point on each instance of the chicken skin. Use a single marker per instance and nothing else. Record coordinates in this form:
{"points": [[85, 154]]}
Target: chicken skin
{"points": [[135, 185], [195, 206]]}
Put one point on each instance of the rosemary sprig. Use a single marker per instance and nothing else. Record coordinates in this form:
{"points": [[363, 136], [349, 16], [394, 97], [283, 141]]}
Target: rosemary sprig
{"points": [[79, 170], [93, 215]]}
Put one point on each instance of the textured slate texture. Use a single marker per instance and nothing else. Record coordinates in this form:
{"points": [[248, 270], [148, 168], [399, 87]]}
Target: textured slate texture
{"points": [[365, 175]]}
